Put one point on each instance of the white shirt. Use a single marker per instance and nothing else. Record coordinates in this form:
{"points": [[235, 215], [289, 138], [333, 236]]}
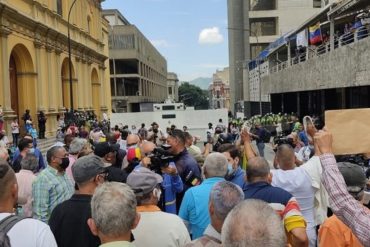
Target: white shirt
{"points": [[160, 229], [30, 233], [314, 170], [298, 183]]}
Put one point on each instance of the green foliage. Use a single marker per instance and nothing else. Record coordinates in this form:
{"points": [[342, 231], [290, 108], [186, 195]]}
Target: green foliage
{"points": [[192, 95]]}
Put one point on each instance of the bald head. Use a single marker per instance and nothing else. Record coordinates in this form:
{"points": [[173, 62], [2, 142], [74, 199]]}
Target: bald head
{"points": [[147, 147], [285, 157], [132, 140], [258, 169]]}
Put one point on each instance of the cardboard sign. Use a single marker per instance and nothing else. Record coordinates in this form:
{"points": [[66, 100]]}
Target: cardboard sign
{"points": [[350, 129]]}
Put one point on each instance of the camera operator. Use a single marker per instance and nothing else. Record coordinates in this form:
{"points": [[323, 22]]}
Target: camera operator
{"points": [[172, 183], [156, 135], [186, 165]]}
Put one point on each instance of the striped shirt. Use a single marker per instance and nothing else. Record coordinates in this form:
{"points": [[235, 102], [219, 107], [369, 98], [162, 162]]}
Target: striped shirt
{"points": [[49, 189], [343, 205]]}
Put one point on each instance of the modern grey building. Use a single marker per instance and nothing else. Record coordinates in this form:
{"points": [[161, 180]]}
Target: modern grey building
{"points": [[253, 24], [138, 72], [333, 74]]}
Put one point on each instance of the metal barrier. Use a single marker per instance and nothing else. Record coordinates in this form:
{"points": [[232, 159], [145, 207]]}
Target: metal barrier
{"points": [[343, 40]]}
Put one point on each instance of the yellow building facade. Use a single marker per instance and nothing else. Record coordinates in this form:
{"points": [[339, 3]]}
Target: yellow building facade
{"points": [[34, 71]]}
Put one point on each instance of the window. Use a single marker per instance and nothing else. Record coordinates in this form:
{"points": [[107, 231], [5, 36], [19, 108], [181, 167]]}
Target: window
{"points": [[256, 49], [167, 116], [255, 5], [88, 24], [170, 90], [168, 107], [263, 26], [60, 7], [122, 41], [316, 3]]}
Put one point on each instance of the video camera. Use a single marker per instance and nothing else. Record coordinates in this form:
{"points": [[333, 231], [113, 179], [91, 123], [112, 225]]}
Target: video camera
{"points": [[280, 140], [160, 158]]}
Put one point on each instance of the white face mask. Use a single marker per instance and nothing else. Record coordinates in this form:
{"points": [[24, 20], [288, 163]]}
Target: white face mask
{"points": [[157, 193]]}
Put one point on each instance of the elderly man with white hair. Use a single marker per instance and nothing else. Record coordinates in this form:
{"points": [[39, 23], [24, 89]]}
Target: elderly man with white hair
{"points": [[194, 207], [113, 210], [253, 223], [224, 197]]}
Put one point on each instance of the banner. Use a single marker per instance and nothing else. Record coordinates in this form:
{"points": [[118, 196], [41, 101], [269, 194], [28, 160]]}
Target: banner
{"points": [[350, 129], [302, 39], [315, 34]]}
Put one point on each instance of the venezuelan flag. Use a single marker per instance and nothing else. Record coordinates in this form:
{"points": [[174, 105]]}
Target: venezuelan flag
{"points": [[315, 34]]}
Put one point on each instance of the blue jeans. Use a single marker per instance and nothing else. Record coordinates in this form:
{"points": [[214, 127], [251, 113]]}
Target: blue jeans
{"points": [[261, 148]]}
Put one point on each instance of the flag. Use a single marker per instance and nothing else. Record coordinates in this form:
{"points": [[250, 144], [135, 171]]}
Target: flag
{"points": [[315, 34], [302, 39]]}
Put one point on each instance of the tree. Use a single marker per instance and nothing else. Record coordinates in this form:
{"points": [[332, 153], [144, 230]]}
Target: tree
{"points": [[192, 95]]}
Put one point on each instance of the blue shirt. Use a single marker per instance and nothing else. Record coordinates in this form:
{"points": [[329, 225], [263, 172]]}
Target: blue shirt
{"points": [[266, 192], [38, 156], [238, 178], [302, 135], [194, 207]]}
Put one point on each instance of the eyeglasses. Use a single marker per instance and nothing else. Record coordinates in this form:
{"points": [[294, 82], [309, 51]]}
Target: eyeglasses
{"points": [[66, 156]]}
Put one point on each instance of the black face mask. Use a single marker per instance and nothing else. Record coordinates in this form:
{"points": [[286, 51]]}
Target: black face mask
{"points": [[65, 163]]}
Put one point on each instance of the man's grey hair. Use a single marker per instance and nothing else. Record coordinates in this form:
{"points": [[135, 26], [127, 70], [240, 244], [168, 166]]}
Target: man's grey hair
{"points": [[253, 223], [215, 165], [30, 162], [52, 152], [113, 208], [77, 145], [225, 196]]}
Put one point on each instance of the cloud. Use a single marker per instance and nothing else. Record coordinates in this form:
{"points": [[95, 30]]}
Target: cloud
{"points": [[210, 36], [160, 43]]}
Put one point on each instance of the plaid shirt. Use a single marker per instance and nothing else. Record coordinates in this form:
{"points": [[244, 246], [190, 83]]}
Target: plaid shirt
{"points": [[49, 189], [344, 206]]}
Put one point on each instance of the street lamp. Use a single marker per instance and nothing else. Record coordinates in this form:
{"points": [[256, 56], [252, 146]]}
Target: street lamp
{"points": [[258, 64], [70, 58]]}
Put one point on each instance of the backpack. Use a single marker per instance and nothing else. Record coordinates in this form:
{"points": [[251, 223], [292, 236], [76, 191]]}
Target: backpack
{"points": [[5, 225], [266, 137]]}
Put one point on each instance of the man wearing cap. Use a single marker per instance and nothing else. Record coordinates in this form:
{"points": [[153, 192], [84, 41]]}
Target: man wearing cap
{"points": [[333, 232], [186, 165], [108, 152], [68, 219], [156, 228], [194, 207], [343, 205]]}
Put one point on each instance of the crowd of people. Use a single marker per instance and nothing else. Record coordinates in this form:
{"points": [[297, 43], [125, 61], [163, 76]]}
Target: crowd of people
{"points": [[124, 186]]}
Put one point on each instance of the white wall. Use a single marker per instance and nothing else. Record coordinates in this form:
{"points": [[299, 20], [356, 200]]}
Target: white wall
{"points": [[196, 120]]}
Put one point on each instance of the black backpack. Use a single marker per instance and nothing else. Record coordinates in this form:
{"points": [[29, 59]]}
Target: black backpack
{"points": [[5, 225]]}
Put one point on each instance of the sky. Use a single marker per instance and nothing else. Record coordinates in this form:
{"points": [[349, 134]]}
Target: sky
{"points": [[190, 34]]}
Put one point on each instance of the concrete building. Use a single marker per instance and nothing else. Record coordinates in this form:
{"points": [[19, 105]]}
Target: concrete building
{"points": [[320, 78], [219, 90], [34, 67], [253, 24], [138, 72], [172, 87]]}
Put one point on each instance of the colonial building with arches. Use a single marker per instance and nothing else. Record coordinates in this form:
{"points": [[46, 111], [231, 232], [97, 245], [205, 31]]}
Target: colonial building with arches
{"points": [[34, 71]]}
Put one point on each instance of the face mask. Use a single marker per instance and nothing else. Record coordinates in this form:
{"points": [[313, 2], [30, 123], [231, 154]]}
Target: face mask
{"points": [[65, 163], [230, 172], [157, 193], [32, 151]]}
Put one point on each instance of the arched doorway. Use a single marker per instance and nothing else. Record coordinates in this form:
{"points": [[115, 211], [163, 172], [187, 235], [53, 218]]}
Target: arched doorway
{"points": [[95, 86], [22, 79], [66, 85]]}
